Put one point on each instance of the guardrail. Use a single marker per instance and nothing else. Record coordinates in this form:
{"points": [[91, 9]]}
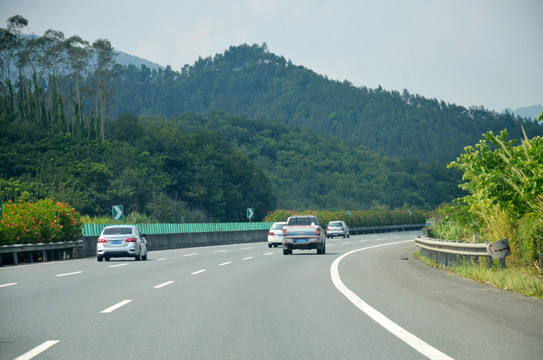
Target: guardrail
{"points": [[385, 228], [42, 251], [447, 253]]}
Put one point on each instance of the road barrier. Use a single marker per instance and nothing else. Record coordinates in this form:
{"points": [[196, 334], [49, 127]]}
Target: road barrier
{"points": [[447, 253], [28, 253], [385, 228]]}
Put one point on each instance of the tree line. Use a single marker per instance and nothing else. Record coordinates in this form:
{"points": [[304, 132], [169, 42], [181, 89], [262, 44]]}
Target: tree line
{"points": [[248, 80], [70, 85], [58, 82]]}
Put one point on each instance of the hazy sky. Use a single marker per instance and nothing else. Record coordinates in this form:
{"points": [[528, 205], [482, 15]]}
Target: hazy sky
{"points": [[467, 52]]}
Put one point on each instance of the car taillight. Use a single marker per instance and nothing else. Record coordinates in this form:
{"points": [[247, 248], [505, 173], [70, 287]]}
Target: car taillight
{"points": [[101, 241], [342, 229], [318, 231], [271, 233], [284, 232], [130, 240]]}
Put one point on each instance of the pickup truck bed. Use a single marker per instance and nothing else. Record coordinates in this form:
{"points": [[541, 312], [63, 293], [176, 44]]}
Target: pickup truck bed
{"points": [[303, 232]]}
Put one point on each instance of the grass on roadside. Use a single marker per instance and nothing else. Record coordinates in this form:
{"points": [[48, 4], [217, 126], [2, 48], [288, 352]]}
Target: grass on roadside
{"points": [[518, 279]]}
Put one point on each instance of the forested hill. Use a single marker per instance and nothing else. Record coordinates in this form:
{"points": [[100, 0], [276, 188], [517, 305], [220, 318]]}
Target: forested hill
{"points": [[250, 81]]}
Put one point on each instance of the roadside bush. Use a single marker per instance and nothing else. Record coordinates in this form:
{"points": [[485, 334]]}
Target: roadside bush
{"points": [[45, 221], [356, 218], [528, 240]]}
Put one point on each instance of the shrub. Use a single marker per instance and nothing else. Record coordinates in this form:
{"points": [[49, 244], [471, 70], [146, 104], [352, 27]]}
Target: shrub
{"points": [[356, 218], [42, 222]]}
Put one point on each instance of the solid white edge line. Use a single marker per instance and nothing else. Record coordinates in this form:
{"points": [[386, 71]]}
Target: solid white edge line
{"points": [[418, 344], [68, 274], [10, 284], [37, 350], [163, 284], [115, 307], [198, 272]]}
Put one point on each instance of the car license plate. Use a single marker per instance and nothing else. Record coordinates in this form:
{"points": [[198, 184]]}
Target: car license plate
{"points": [[116, 242], [301, 240]]}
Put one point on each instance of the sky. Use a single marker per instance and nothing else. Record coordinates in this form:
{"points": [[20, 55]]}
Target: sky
{"points": [[466, 52]]}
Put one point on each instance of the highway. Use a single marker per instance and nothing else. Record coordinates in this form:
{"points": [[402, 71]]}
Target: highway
{"points": [[366, 298]]}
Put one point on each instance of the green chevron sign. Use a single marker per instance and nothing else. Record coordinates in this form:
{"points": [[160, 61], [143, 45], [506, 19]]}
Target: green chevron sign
{"points": [[117, 211]]}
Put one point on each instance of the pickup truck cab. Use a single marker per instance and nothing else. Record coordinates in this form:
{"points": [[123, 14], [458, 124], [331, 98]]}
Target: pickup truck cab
{"points": [[303, 232]]}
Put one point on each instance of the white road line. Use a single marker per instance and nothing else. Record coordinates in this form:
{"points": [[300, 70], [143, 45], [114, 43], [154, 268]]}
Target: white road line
{"points": [[402, 334], [68, 274], [37, 350], [198, 272], [225, 263], [247, 258], [115, 307], [161, 259], [164, 284], [219, 251], [247, 248], [114, 266], [192, 254], [270, 253], [10, 284]]}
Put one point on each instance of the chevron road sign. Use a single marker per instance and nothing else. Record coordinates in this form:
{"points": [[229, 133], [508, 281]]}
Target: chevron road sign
{"points": [[117, 211], [250, 213]]}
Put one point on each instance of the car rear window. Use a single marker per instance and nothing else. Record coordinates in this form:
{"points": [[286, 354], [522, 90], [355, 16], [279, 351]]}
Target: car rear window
{"points": [[118, 231], [335, 224], [277, 226], [302, 221]]}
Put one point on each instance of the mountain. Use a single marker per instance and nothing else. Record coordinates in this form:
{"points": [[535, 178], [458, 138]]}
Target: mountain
{"points": [[530, 112], [248, 80], [125, 59]]}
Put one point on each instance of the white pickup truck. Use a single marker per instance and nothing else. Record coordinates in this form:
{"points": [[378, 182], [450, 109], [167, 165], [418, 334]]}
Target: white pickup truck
{"points": [[303, 232]]}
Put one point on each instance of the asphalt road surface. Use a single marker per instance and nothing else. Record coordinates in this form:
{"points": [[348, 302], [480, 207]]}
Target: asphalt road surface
{"points": [[366, 298]]}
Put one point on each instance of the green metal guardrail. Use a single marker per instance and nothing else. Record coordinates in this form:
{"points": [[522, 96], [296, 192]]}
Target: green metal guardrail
{"points": [[96, 229]]}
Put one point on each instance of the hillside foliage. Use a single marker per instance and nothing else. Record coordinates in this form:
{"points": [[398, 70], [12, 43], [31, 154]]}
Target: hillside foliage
{"points": [[64, 134]]}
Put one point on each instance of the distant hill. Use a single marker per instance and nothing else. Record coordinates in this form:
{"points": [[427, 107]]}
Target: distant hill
{"points": [[127, 59], [530, 112], [250, 81]]}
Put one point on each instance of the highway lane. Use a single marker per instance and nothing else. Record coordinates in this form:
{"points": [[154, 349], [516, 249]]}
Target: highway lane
{"points": [[249, 301]]}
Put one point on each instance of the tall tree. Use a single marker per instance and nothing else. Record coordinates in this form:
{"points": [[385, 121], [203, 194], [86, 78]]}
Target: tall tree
{"points": [[53, 59], [78, 51], [105, 59]]}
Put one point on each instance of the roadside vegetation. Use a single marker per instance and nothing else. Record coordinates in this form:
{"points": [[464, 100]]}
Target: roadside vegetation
{"points": [[357, 218], [504, 182], [520, 279]]}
